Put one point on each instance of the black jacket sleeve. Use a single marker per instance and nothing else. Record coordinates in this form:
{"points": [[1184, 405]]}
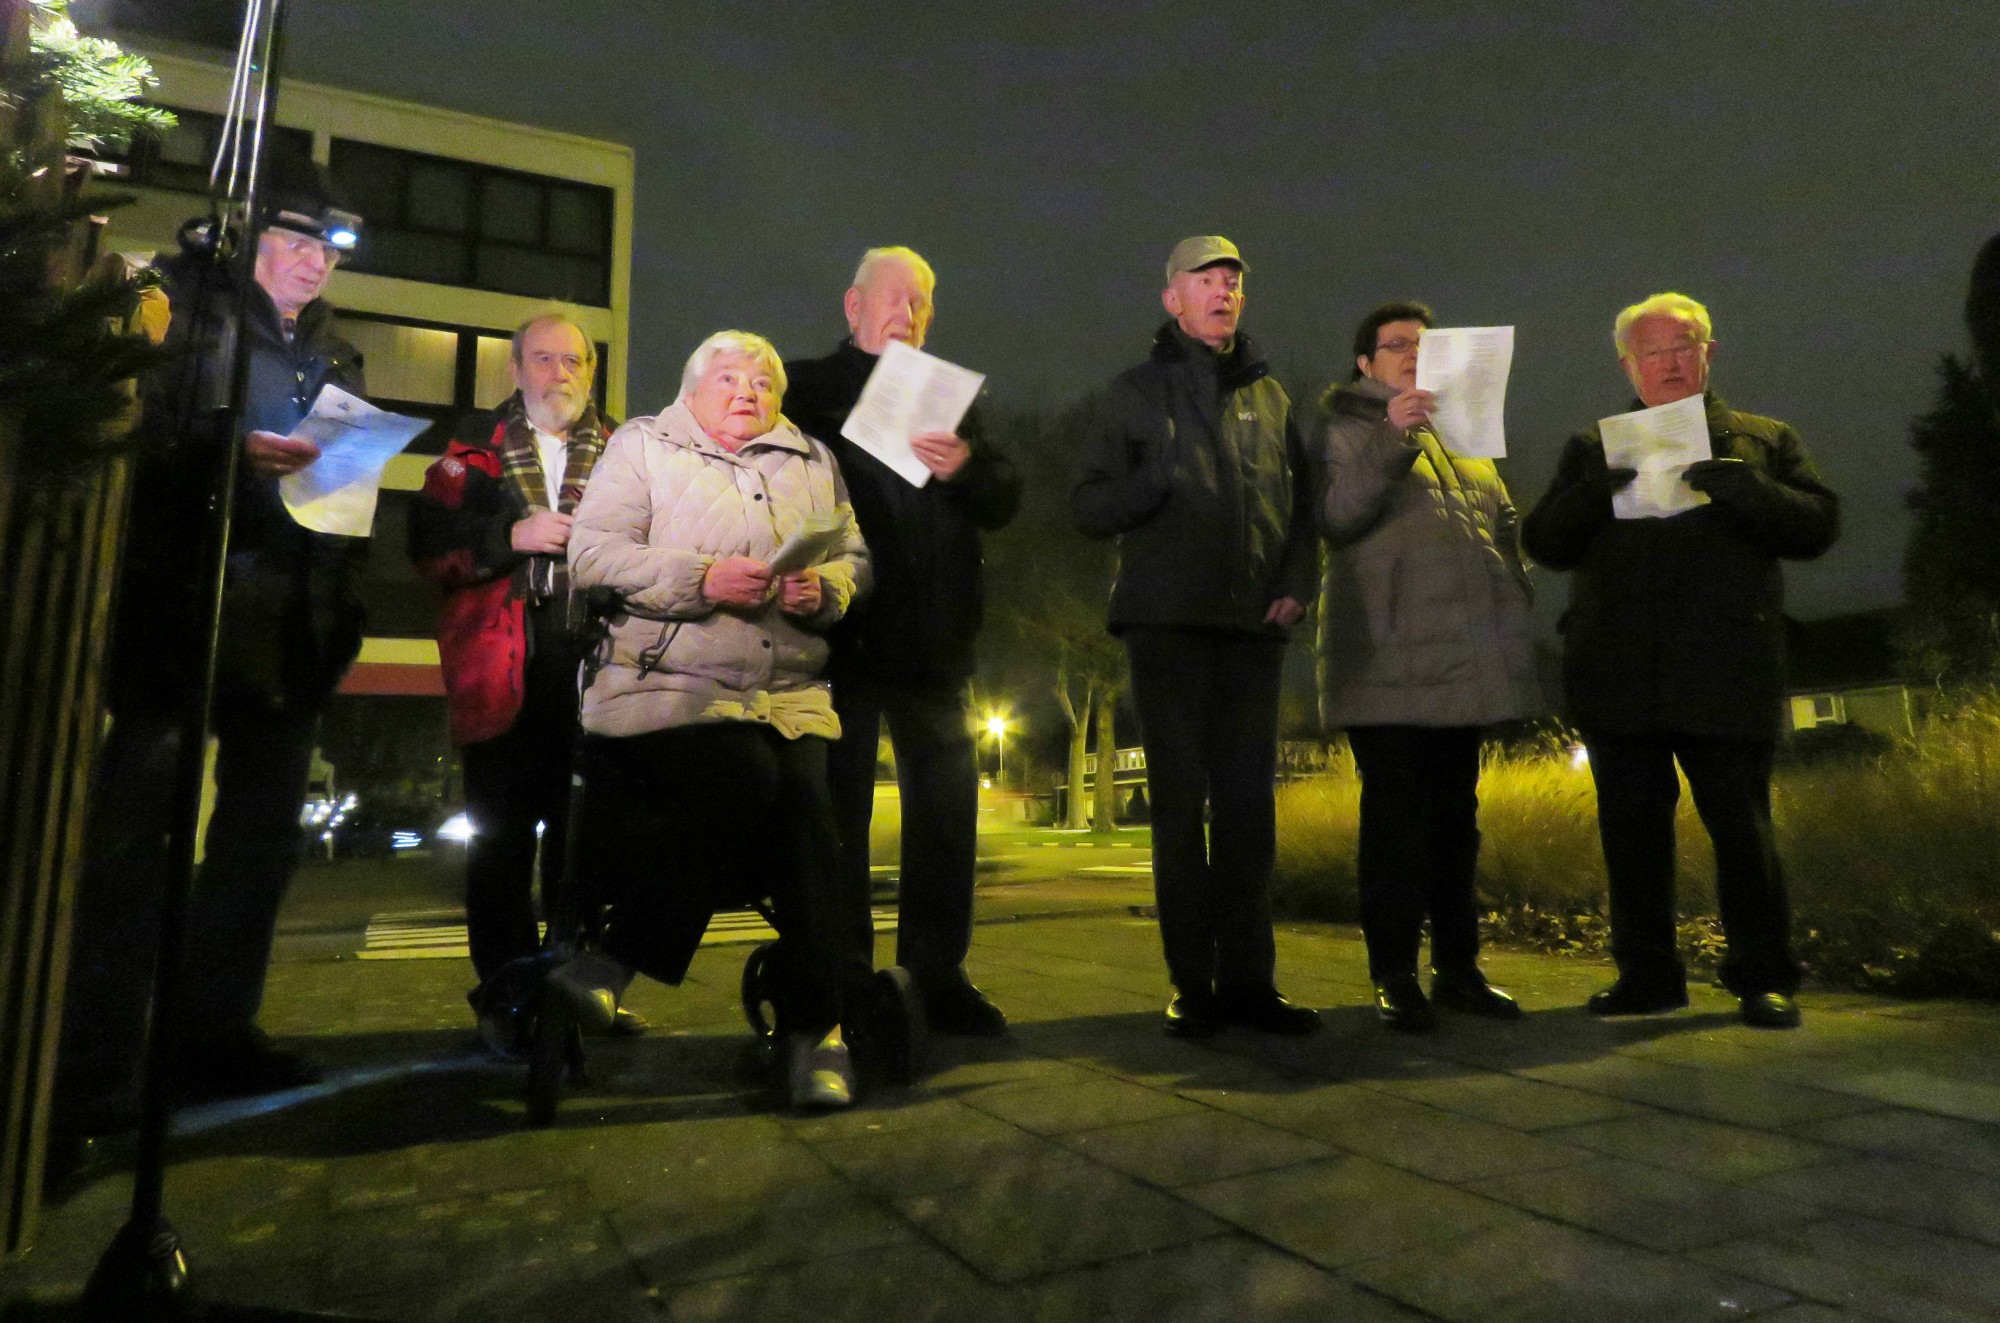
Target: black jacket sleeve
{"points": [[1121, 474], [988, 488], [1558, 531], [1783, 507]]}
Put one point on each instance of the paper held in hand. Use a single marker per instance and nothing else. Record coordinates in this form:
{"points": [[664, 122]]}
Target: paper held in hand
{"points": [[336, 492], [1466, 367], [908, 393], [1660, 443], [818, 537]]}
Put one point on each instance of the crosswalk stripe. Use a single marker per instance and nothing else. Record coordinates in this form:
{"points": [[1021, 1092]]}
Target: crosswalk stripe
{"points": [[440, 934]]}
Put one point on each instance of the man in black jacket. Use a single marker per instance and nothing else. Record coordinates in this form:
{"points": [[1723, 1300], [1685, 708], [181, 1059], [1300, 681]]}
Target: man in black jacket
{"points": [[1673, 651], [291, 624], [1196, 466], [904, 653]]}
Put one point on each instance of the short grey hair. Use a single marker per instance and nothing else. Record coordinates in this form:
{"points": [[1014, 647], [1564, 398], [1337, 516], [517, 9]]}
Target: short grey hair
{"points": [[732, 342], [875, 258], [1678, 306], [551, 319]]}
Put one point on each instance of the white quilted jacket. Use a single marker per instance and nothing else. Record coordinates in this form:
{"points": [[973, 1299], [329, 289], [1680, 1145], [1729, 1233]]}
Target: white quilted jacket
{"points": [[664, 503]]}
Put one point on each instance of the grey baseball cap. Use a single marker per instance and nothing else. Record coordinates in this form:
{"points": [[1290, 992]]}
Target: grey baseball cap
{"points": [[1203, 250]]}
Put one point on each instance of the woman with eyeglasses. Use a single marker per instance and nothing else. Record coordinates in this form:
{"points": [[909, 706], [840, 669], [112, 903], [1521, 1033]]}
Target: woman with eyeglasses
{"points": [[1423, 643]]}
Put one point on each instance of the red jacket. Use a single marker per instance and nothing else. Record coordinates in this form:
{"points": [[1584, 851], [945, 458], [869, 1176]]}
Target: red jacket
{"points": [[461, 530]]}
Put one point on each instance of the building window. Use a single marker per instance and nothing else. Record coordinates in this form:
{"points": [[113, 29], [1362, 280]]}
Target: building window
{"points": [[1828, 709], [179, 159], [460, 223], [437, 371]]}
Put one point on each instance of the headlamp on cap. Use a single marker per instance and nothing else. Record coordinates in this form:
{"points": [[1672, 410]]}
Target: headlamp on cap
{"points": [[330, 225]]}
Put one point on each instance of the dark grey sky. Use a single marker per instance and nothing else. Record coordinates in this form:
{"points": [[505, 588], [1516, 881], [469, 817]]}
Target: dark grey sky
{"points": [[1819, 172]]}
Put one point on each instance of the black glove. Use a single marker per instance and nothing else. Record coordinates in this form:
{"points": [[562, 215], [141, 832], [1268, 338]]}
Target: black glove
{"points": [[1727, 481], [1618, 480]]}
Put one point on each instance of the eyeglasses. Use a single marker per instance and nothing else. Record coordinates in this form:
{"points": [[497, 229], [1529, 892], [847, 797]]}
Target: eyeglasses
{"points": [[1395, 346], [1689, 349]]}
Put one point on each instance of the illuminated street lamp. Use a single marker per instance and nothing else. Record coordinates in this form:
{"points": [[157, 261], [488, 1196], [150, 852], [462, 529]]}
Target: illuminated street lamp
{"points": [[996, 726]]}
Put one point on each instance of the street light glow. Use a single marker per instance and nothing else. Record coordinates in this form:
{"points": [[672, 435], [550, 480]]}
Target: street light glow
{"points": [[996, 726]]}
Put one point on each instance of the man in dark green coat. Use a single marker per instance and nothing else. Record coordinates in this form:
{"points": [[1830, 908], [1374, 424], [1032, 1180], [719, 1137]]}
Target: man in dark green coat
{"points": [[1673, 651], [1196, 466]]}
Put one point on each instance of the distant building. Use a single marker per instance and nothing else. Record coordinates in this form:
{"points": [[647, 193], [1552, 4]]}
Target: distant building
{"points": [[1843, 672]]}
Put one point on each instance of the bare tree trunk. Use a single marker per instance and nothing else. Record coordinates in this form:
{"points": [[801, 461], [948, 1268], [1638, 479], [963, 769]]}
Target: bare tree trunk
{"points": [[1106, 806], [1075, 818]]}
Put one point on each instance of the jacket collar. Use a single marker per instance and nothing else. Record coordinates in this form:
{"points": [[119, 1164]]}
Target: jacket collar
{"points": [[1364, 397], [1234, 370]]}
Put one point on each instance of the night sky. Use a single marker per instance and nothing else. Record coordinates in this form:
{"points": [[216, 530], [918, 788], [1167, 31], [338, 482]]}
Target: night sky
{"points": [[1819, 174]]}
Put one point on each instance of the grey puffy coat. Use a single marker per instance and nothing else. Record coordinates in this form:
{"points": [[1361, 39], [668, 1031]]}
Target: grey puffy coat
{"points": [[1424, 599], [664, 503]]}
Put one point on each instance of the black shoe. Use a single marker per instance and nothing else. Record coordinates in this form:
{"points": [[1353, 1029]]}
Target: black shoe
{"points": [[1473, 995], [243, 1065], [954, 1006], [1268, 1012], [629, 1024], [1403, 1007], [1623, 998], [1771, 1010], [1193, 1015]]}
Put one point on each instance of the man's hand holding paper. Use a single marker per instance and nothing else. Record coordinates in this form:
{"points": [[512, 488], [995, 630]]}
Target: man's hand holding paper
{"points": [[354, 440], [912, 396], [1661, 444]]}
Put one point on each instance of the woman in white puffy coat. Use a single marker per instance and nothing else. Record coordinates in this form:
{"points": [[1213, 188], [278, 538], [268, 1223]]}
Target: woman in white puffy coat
{"points": [[1423, 642], [706, 721]]}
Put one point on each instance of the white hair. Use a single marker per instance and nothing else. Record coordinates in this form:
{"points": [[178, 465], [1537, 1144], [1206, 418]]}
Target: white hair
{"points": [[875, 258], [1678, 306], [553, 318], [732, 342]]}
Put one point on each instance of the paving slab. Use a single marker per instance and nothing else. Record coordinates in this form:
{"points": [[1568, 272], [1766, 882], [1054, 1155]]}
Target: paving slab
{"points": [[1086, 1167]]}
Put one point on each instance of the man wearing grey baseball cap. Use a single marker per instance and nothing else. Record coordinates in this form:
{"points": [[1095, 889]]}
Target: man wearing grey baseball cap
{"points": [[1195, 464]]}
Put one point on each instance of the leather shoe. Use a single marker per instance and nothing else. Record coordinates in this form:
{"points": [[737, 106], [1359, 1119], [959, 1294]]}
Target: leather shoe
{"points": [[594, 1006], [1193, 1015], [1771, 1010], [1268, 1012], [821, 1072], [1623, 998], [1473, 995], [629, 1024], [242, 1065], [1403, 1007], [954, 1006]]}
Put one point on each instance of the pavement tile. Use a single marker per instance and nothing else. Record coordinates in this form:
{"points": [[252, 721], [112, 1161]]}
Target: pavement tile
{"points": [[1721, 1095], [903, 1284], [1886, 1271], [1960, 1203], [1079, 1106], [1645, 1206], [902, 1163], [1689, 1143], [1528, 1271], [1921, 1136], [1200, 1146], [1344, 1210], [1022, 1223], [1150, 1057], [1221, 1280], [793, 1223], [1928, 1090], [1509, 1100]]}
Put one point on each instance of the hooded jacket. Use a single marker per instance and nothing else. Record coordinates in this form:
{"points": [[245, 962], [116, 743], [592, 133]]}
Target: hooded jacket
{"points": [[1424, 602], [667, 501], [1195, 464]]}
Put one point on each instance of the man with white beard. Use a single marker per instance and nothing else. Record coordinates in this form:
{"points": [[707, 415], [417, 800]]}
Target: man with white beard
{"points": [[491, 528]]}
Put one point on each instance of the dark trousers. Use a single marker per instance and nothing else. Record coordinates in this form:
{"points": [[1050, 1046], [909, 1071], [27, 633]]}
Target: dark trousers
{"points": [[252, 847], [1636, 794], [695, 818], [1419, 846], [512, 783], [1208, 716], [938, 783]]}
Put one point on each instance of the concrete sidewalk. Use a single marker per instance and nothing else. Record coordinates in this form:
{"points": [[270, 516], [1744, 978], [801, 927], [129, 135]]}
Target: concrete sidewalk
{"points": [[1087, 1168]]}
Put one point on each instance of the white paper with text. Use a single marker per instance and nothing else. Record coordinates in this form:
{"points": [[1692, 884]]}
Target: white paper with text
{"points": [[1660, 443], [336, 493], [1466, 367], [908, 393]]}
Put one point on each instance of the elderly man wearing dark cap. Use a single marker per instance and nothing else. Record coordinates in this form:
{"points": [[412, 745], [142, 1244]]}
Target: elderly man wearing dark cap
{"points": [[291, 624], [1196, 466]]}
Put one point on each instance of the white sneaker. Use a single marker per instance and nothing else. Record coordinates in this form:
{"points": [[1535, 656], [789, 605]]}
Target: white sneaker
{"points": [[822, 1073]]}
